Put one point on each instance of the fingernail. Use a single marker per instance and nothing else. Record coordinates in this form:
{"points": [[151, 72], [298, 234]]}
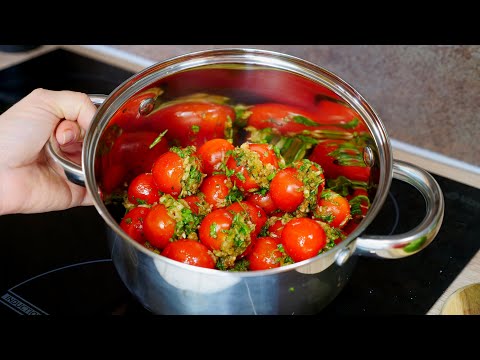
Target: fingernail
{"points": [[68, 137]]}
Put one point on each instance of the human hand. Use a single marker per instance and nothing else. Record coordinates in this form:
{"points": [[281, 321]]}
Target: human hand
{"points": [[29, 181]]}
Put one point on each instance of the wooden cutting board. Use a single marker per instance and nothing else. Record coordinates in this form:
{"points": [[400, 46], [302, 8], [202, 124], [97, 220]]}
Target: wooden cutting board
{"points": [[464, 301]]}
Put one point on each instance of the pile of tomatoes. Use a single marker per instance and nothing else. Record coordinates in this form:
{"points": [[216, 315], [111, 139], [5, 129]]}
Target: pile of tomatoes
{"points": [[194, 194]]}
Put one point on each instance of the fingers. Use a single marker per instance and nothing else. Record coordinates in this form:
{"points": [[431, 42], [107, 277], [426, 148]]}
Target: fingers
{"points": [[27, 125], [69, 132], [68, 105]]}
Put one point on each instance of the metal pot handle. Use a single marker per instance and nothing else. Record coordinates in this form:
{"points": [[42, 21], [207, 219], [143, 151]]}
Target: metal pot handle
{"points": [[415, 240], [73, 171]]}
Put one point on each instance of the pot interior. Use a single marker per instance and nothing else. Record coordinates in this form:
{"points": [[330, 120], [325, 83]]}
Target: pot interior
{"points": [[118, 143]]}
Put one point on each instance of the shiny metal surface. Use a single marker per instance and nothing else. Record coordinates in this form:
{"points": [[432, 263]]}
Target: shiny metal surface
{"points": [[169, 287], [368, 156], [146, 106], [413, 241]]}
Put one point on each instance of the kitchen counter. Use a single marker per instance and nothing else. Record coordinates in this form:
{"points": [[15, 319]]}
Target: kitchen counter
{"points": [[470, 274]]}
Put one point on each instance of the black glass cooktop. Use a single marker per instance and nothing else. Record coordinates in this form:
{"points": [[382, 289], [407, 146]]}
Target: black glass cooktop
{"points": [[58, 263]]}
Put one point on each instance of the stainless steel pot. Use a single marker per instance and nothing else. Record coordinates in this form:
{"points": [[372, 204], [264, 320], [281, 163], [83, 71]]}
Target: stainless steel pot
{"points": [[165, 286]]}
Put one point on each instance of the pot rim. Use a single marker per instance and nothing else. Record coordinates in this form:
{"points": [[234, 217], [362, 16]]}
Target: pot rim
{"points": [[244, 56]]}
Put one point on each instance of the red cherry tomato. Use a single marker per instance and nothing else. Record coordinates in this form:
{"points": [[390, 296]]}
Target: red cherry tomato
{"points": [[212, 154], [128, 116], [168, 172], [265, 254], [216, 189], [193, 201], [337, 113], [112, 178], [287, 190], [132, 150], [302, 167], [192, 123], [275, 230], [256, 214], [242, 175], [288, 120], [264, 201], [189, 252], [303, 238], [159, 226], [266, 153], [341, 158], [211, 228], [143, 190], [132, 223], [129, 156], [333, 209]]}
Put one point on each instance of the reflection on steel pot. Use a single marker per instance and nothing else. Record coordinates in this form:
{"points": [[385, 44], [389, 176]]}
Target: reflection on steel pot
{"points": [[249, 76]]}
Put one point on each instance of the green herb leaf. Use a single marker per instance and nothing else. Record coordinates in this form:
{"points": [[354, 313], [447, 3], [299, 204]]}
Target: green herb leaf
{"points": [[158, 139], [355, 208], [213, 230], [195, 129], [241, 265], [304, 120], [351, 124], [240, 176], [342, 185], [241, 115], [234, 195]]}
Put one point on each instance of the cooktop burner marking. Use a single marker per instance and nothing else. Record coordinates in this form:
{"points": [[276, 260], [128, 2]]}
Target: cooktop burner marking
{"points": [[16, 302], [11, 299], [7, 301]]}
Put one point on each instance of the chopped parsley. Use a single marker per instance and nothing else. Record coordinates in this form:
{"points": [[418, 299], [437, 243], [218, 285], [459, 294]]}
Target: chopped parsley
{"points": [[157, 139], [213, 230], [241, 115], [241, 265], [342, 185], [233, 196], [186, 222], [195, 129], [351, 124], [228, 132], [304, 120], [240, 176]]}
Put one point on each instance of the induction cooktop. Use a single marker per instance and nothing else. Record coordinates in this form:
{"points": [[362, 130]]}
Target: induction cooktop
{"points": [[58, 263]]}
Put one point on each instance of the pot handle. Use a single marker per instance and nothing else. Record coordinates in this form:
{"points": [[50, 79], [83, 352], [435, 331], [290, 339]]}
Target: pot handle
{"points": [[73, 171], [415, 240]]}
